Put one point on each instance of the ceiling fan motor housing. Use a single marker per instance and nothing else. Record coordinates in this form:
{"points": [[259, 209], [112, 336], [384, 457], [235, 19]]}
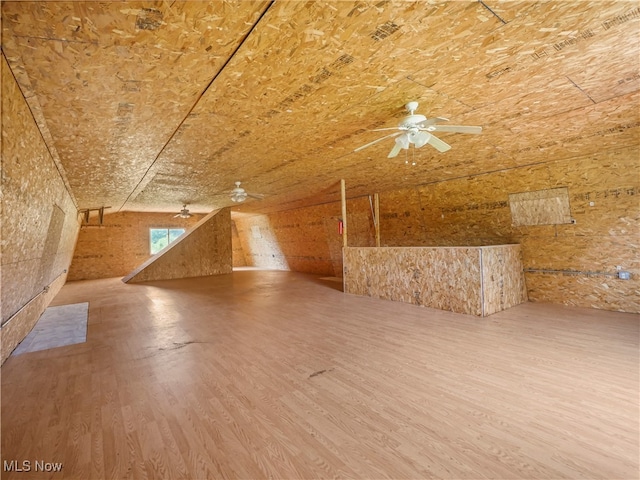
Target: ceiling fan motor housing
{"points": [[411, 121]]}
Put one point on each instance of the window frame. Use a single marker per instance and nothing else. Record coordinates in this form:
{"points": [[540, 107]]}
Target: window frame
{"points": [[167, 237]]}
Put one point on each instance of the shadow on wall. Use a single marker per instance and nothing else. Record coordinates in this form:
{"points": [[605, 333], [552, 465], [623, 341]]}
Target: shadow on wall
{"points": [[258, 243], [304, 240]]}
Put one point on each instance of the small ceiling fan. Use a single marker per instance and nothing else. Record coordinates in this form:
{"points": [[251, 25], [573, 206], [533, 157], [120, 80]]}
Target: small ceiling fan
{"points": [[184, 213], [239, 194], [418, 130]]}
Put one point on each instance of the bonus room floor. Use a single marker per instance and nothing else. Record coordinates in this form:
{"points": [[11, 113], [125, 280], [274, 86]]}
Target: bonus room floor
{"points": [[277, 374]]}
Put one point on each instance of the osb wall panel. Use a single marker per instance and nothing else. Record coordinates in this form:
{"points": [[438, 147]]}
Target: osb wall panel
{"points": [[258, 242], [237, 252], [572, 261], [583, 290], [443, 278], [544, 207], [38, 218], [121, 244], [305, 239], [13, 332], [503, 283], [202, 251]]}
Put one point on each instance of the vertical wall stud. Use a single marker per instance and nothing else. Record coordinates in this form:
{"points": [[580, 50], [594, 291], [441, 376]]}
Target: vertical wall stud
{"points": [[376, 206], [343, 194]]}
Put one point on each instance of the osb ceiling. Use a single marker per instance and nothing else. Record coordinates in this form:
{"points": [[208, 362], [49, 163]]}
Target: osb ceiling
{"points": [[146, 106]]}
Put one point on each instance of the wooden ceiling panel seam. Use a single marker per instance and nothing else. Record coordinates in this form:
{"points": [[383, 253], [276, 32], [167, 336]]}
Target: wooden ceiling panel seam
{"points": [[40, 121], [206, 88], [544, 79]]}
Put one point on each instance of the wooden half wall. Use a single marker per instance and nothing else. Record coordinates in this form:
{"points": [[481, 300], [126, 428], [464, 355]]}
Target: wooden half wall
{"points": [[204, 250], [473, 280]]}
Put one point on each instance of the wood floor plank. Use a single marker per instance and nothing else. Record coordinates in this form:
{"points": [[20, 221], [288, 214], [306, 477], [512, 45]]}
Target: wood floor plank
{"points": [[277, 375]]}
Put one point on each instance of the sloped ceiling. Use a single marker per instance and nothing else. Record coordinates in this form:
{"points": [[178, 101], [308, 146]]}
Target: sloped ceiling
{"points": [[146, 106]]}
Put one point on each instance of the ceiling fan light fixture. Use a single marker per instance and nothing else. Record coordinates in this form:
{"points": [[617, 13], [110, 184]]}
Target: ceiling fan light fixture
{"points": [[239, 194], [416, 128], [421, 139], [403, 141]]}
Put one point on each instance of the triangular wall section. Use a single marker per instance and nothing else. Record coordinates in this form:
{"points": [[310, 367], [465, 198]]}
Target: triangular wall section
{"points": [[204, 250]]}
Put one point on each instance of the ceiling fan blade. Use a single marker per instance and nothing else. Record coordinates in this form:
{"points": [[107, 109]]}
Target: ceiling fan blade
{"points": [[383, 129], [395, 151], [438, 144], [257, 196], [432, 121], [376, 141], [457, 129]]}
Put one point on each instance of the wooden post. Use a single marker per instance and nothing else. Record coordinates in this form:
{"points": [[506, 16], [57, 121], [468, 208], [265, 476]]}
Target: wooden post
{"points": [[343, 193], [376, 209]]}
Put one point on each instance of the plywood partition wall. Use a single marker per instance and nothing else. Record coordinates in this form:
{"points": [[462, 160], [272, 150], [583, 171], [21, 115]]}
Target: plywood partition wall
{"points": [[202, 251], [502, 276], [120, 244], [473, 280]]}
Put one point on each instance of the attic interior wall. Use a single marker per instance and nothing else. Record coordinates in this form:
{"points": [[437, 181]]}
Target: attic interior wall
{"points": [[39, 220], [570, 264], [575, 263], [305, 239], [237, 254], [121, 244], [202, 251]]}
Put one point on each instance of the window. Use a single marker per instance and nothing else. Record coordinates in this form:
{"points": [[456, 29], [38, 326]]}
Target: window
{"points": [[161, 237]]}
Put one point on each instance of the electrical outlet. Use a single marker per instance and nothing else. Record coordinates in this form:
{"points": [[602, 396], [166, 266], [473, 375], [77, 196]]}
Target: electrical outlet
{"points": [[624, 275]]}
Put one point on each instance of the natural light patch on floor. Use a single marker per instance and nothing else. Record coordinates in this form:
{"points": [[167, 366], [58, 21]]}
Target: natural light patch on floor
{"points": [[57, 327]]}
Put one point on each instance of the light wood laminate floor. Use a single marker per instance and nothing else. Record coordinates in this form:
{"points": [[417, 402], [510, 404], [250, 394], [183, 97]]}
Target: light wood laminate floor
{"points": [[280, 375]]}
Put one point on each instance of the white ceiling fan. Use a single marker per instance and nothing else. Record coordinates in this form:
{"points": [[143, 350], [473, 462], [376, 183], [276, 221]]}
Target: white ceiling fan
{"points": [[418, 130], [184, 213], [239, 194]]}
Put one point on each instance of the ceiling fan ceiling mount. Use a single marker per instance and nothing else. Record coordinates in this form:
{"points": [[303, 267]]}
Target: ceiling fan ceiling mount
{"points": [[411, 107]]}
